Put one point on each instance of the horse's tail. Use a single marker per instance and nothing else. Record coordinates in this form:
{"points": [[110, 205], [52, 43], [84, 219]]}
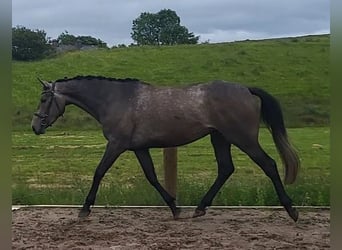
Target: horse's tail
{"points": [[273, 118]]}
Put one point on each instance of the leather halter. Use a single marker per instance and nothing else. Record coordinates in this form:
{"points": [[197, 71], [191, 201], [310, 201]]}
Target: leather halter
{"points": [[43, 116]]}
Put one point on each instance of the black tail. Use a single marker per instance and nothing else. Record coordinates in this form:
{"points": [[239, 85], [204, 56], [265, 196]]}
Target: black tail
{"points": [[273, 118]]}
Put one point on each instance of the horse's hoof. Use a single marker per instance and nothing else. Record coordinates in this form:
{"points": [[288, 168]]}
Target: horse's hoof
{"points": [[176, 214], [198, 213], [84, 213], [293, 214]]}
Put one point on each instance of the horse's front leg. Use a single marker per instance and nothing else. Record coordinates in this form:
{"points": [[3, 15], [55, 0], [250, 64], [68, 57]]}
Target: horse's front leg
{"points": [[112, 152], [146, 163]]}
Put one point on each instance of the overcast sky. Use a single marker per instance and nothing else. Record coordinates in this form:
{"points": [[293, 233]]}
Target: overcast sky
{"points": [[213, 20]]}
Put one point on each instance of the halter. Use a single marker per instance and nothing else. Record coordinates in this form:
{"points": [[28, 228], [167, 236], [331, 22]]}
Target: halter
{"points": [[43, 116]]}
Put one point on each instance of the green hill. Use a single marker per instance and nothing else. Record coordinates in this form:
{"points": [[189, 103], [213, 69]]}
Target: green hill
{"points": [[295, 70]]}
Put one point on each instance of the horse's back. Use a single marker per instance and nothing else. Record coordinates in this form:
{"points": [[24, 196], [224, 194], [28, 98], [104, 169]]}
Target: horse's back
{"points": [[202, 102]]}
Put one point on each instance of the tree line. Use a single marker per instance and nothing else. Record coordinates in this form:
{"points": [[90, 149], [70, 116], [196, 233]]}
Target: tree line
{"points": [[161, 28], [30, 44]]}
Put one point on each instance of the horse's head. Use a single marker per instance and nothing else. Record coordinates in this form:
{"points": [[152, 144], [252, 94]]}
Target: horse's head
{"points": [[51, 106]]}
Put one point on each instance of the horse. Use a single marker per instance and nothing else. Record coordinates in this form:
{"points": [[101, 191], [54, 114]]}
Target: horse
{"points": [[137, 116]]}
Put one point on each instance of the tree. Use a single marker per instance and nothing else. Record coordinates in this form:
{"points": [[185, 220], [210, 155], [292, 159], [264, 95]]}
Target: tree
{"points": [[67, 39], [29, 44], [162, 28], [145, 29], [89, 40]]}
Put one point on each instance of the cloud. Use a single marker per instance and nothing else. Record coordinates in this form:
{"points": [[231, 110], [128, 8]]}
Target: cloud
{"points": [[216, 20]]}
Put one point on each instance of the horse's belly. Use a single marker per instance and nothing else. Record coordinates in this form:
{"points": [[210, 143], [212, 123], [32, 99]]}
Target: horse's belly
{"points": [[170, 136]]}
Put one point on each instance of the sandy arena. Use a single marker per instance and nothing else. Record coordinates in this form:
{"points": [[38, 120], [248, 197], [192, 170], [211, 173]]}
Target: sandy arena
{"points": [[154, 228]]}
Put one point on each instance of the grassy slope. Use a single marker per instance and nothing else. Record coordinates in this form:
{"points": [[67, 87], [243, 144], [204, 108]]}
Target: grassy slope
{"points": [[295, 70]]}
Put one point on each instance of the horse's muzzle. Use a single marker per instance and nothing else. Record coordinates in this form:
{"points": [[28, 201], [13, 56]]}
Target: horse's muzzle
{"points": [[39, 131]]}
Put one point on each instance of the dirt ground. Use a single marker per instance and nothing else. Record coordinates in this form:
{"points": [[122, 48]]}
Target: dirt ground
{"points": [[154, 228]]}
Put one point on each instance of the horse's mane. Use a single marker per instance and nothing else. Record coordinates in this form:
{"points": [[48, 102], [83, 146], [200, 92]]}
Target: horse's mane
{"points": [[91, 77]]}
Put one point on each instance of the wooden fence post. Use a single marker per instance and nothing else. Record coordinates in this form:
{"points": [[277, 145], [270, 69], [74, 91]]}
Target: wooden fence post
{"points": [[170, 170]]}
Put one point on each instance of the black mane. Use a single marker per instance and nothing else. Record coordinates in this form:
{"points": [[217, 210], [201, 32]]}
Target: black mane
{"points": [[91, 77]]}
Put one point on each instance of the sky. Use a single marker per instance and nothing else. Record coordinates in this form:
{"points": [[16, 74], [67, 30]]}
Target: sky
{"points": [[213, 20]]}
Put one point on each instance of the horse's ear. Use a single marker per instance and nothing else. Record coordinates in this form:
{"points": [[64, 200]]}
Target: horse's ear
{"points": [[45, 84]]}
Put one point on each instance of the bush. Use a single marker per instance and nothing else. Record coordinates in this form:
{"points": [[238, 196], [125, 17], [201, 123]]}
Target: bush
{"points": [[29, 44], [67, 39]]}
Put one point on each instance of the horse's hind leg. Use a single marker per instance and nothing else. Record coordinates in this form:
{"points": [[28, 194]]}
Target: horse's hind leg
{"points": [[225, 169], [146, 163], [269, 166]]}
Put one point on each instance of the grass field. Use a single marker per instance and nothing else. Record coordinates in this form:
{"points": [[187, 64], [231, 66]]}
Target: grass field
{"points": [[57, 168]]}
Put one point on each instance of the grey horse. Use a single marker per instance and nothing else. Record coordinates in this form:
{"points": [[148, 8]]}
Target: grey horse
{"points": [[138, 116]]}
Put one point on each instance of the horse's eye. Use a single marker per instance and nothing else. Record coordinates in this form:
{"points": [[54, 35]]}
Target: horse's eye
{"points": [[43, 100]]}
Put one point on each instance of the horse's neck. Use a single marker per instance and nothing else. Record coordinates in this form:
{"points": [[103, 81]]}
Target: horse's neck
{"points": [[87, 100]]}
